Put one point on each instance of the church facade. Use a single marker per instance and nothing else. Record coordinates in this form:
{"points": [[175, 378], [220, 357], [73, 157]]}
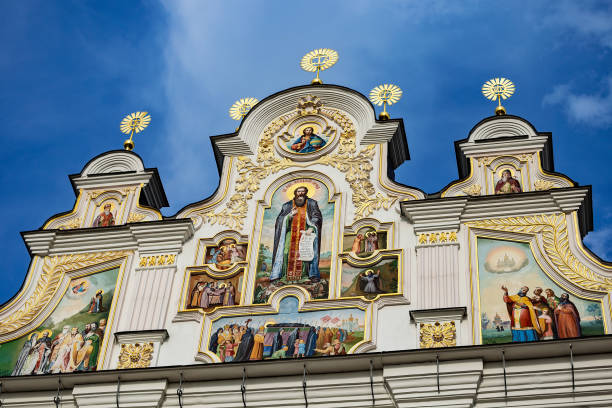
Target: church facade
{"points": [[312, 278]]}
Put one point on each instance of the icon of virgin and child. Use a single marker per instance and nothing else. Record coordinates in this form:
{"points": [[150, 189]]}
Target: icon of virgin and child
{"points": [[297, 240], [308, 142]]}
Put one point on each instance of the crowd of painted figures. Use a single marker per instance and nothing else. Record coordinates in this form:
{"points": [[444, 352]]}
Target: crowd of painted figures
{"points": [[541, 317], [70, 350], [275, 341], [209, 294]]}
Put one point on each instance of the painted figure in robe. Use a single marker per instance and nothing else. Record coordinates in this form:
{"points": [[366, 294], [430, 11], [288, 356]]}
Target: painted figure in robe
{"points": [[308, 142], [105, 218], [299, 216], [523, 318], [507, 184], [567, 318]]}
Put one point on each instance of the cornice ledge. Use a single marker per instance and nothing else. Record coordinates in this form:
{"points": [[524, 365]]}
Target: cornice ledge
{"points": [[380, 132], [134, 394], [438, 214], [166, 236]]}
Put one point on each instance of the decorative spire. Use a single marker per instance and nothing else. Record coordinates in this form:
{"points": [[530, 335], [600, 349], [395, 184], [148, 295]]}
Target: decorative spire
{"points": [[384, 95], [319, 60], [134, 123], [241, 107], [498, 88]]}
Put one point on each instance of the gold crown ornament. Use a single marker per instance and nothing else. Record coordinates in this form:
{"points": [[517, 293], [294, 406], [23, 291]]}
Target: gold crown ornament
{"points": [[384, 95], [498, 88], [134, 123], [318, 60]]}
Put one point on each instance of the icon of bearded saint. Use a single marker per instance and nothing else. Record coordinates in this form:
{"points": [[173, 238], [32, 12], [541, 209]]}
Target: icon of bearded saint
{"points": [[301, 215], [105, 218], [507, 184]]}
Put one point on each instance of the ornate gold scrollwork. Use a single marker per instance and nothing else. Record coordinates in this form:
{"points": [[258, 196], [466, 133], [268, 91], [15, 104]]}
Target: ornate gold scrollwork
{"points": [[135, 355], [541, 185], [438, 334], [72, 224], [356, 167], [135, 217], [473, 190], [555, 238], [53, 271]]}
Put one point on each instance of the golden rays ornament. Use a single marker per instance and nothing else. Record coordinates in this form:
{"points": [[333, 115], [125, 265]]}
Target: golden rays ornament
{"points": [[498, 88], [241, 107], [384, 95], [134, 123], [318, 60]]}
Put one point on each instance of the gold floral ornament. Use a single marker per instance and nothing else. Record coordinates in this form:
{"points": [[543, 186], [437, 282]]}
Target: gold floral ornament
{"points": [[438, 334], [384, 95], [241, 107], [318, 60], [135, 355], [498, 88], [134, 123]]}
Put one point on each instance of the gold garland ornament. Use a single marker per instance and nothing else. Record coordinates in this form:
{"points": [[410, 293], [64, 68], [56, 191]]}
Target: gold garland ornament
{"points": [[384, 95], [53, 270], [134, 123], [555, 237], [318, 60], [498, 88]]}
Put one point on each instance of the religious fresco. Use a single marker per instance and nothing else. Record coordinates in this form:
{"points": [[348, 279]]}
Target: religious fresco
{"points": [[520, 303], [296, 240], [106, 217], [227, 253], [507, 183], [369, 281], [308, 139], [208, 292], [70, 339], [287, 334], [365, 241]]}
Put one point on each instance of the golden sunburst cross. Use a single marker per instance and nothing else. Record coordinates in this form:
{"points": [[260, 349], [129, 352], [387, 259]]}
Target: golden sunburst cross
{"points": [[498, 88], [318, 60], [241, 107], [135, 122], [384, 95]]}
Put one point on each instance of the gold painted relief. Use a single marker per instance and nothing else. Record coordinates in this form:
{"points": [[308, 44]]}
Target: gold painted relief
{"points": [[356, 166], [135, 355]]}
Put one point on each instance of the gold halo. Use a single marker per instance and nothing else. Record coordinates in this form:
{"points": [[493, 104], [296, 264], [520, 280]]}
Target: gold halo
{"points": [[32, 334], [322, 59], [388, 93], [300, 130], [107, 202], [241, 107], [42, 333], [498, 87], [309, 185], [511, 170], [135, 122]]}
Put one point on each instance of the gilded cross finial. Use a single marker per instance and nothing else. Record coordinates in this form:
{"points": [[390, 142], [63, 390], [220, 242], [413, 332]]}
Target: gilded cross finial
{"points": [[134, 123], [241, 107], [384, 95], [498, 88], [318, 60]]}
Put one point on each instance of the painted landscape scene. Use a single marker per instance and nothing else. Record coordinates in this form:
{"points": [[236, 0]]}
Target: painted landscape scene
{"points": [[70, 339]]}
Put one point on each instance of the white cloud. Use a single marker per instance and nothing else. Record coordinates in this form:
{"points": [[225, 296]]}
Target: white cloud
{"points": [[593, 109], [589, 19], [600, 242]]}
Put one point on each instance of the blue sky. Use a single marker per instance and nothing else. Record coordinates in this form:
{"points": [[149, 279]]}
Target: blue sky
{"points": [[70, 70]]}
